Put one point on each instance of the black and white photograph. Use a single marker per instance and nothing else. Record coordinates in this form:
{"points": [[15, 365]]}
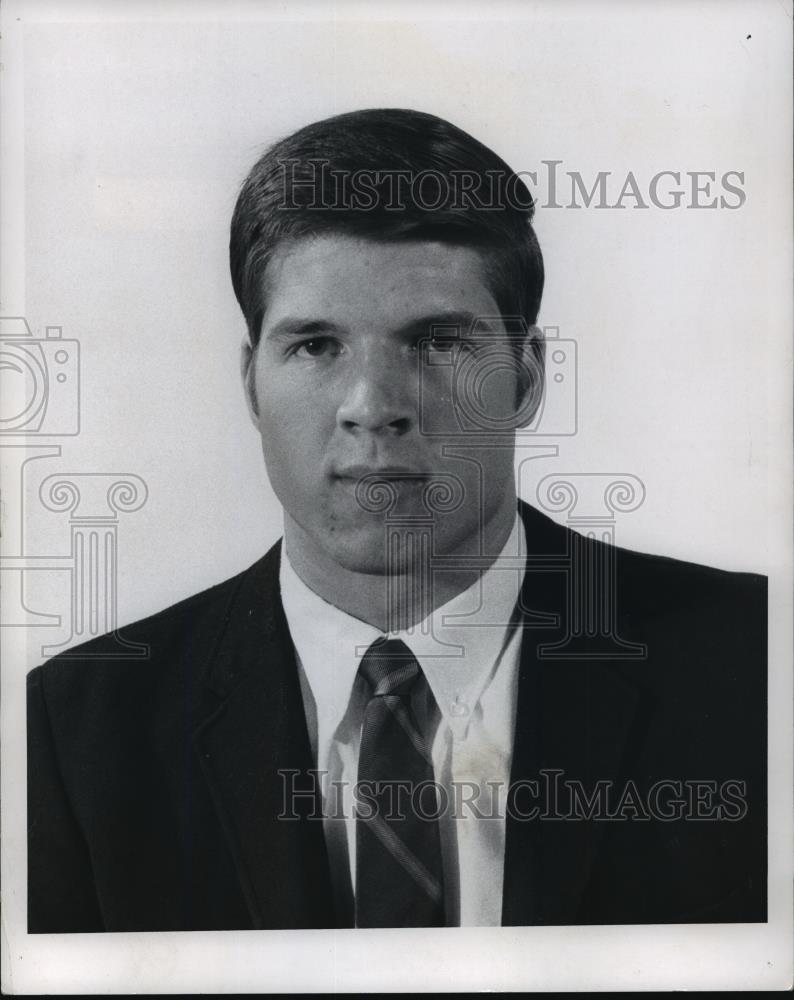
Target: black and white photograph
{"points": [[397, 488]]}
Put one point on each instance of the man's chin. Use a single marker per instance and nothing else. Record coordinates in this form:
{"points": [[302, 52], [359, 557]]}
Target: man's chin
{"points": [[365, 549], [360, 552]]}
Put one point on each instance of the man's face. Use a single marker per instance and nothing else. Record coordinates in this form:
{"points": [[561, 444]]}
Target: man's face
{"points": [[334, 390]]}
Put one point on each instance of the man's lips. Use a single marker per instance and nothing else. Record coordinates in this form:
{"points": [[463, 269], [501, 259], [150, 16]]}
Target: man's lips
{"points": [[377, 489], [390, 473]]}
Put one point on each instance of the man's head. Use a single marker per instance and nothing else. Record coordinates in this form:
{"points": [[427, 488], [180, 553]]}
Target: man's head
{"points": [[376, 256]]}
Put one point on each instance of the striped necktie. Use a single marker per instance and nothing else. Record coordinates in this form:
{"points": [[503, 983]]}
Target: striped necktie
{"points": [[399, 879]]}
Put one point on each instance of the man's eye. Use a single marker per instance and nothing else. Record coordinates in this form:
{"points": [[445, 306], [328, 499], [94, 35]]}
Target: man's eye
{"points": [[439, 343], [457, 344], [317, 347]]}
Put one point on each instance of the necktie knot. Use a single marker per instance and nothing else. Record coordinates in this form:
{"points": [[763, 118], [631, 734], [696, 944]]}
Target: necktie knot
{"points": [[389, 667]]}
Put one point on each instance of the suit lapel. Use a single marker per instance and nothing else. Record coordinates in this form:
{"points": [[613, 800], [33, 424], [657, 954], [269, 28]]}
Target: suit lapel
{"points": [[572, 717], [253, 746]]}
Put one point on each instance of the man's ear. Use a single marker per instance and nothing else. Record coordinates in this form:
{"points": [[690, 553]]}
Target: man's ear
{"points": [[248, 372], [531, 375]]}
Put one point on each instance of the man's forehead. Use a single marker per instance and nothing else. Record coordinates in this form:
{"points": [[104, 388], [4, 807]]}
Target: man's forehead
{"points": [[341, 278]]}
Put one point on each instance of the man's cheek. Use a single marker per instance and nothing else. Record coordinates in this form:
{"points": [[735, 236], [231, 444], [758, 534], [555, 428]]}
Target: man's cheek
{"points": [[277, 451], [437, 409]]}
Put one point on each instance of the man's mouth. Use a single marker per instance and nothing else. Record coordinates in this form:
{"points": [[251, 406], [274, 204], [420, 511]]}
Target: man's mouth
{"points": [[385, 473]]}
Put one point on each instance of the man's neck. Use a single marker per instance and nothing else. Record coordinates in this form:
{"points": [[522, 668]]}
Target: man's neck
{"points": [[393, 603]]}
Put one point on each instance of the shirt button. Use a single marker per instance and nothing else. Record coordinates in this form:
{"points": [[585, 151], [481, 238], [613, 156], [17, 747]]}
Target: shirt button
{"points": [[459, 710]]}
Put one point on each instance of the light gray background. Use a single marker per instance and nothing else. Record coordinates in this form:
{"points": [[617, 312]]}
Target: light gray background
{"points": [[139, 133], [140, 122]]}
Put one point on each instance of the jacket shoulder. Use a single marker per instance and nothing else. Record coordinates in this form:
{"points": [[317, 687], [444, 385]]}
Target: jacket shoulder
{"points": [[641, 575], [664, 582], [188, 629]]}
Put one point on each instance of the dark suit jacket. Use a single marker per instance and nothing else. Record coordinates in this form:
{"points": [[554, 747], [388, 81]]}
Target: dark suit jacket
{"points": [[154, 789]]}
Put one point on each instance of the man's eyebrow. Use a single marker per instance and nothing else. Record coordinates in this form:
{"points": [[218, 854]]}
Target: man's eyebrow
{"points": [[424, 324], [462, 321], [297, 327]]}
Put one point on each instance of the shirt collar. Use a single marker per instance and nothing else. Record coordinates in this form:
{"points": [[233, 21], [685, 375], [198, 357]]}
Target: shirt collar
{"points": [[458, 646]]}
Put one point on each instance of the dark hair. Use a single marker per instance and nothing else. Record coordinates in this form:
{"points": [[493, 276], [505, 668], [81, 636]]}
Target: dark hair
{"points": [[387, 174]]}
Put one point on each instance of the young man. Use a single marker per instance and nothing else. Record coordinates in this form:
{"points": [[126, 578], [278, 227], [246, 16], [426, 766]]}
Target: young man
{"points": [[382, 721]]}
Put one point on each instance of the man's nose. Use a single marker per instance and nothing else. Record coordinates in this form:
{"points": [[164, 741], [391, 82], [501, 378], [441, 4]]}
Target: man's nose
{"points": [[379, 398]]}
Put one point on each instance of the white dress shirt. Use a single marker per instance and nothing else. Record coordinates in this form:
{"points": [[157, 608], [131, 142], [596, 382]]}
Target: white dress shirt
{"points": [[469, 651]]}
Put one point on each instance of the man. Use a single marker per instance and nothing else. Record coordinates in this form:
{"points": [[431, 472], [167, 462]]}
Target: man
{"points": [[382, 722]]}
